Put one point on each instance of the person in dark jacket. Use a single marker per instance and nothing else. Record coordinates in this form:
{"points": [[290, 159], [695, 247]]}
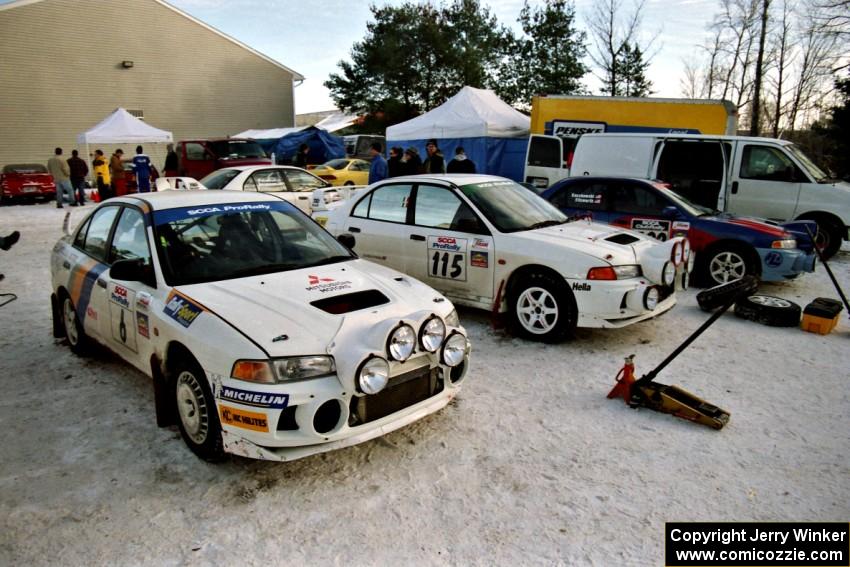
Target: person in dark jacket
{"points": [[300, 159], [435, 162], [378, 169], [171, 164], [79, 170], [411, 162], [395, 164], [461, 163]]}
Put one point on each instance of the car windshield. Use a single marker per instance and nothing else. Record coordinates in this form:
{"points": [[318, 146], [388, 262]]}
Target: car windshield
{"points": [[208, 243], [511, 207], [25, 168], [237, 149], [336, 163], [684, 203], [218, 179], [817, 173]]}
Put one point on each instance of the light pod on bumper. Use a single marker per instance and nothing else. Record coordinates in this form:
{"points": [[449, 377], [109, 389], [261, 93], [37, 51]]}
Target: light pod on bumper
{"points": [[374, 375], [432, 334], [455, 350], [401, 343], [668, 274], [650, 298]]}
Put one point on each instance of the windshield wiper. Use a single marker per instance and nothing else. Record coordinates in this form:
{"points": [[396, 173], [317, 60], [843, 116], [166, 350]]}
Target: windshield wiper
{"points": [[328, 260], [545, 223]]}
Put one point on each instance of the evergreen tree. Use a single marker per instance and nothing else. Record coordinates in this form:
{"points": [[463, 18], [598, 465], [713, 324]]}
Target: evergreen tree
{"points": [[632, 72]]}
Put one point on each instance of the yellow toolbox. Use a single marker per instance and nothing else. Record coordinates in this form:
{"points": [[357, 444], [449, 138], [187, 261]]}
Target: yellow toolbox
{"points": [[821, 315]]}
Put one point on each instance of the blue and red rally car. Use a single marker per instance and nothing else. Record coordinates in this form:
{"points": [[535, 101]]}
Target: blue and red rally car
{"points": [[727, 246]]}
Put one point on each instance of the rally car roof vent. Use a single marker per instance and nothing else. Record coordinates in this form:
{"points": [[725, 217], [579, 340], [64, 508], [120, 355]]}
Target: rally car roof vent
{"points": [[348, 302], [622, 238]]}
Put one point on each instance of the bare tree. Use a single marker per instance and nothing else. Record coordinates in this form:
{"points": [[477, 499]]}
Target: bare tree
{"points": [[613, 31], [833, 16], [755, 117], [782, 52], [818, 54]]}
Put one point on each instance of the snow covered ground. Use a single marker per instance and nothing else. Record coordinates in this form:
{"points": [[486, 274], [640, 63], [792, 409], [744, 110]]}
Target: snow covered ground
{"points": [[531, 465]]}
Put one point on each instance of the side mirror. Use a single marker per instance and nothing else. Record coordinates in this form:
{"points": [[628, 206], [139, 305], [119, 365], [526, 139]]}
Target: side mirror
{"points": [[670, 212], [347, 240], [132, 270]]}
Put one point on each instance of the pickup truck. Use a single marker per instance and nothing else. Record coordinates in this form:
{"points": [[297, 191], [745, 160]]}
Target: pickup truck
{"points": [[197, 158]]}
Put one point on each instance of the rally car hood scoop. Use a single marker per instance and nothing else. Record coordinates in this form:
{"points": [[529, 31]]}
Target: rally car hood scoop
{"points": [[594, 239], [307, 306]]}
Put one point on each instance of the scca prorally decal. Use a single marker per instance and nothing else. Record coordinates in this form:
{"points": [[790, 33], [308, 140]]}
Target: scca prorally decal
{"points": [[256, 399], [182, 309], [228, 209], [119, 296], [448, 243]]}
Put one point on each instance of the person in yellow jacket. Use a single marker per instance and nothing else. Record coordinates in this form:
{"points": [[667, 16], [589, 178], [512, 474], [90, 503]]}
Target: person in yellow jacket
{"points": [[100, 166]]}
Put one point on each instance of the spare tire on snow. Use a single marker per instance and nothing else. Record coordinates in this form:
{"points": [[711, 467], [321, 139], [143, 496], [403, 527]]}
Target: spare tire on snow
{"points": [[769, 310], [719, 295]]}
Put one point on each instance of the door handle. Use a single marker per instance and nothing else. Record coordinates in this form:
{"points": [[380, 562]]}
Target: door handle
{"points": [[101, 283], [353, 229], [66, 264], [734, 187], [417, 237]]}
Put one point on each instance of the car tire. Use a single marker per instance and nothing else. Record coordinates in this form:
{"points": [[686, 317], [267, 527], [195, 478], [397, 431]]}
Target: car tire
{"points": [[197, 416], [719, 295], [542, 308], [727, 263], [78, 341], [769, 310], [829, 237]]}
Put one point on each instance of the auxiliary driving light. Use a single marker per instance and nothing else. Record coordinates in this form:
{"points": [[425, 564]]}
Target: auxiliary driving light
{"points": [[650, 298], [668, 274], [455, 349], [401, 343], [373, 375], [432, 334]]}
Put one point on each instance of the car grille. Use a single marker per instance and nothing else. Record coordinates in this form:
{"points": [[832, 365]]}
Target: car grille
{"points": [[402, 391]]}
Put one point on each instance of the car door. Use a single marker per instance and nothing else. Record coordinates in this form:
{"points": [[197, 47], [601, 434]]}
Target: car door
{"points": [[767, 182], [129, 303], [359, 171], [583, 198], [301, 185], [640, 208], [378, 222], [449, 247], [88, 272]]}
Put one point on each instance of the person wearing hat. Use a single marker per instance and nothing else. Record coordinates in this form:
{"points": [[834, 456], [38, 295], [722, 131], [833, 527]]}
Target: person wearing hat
{"points": [[461, 163], [435, 162], [411, 162], [395, 165], [116, 168]]}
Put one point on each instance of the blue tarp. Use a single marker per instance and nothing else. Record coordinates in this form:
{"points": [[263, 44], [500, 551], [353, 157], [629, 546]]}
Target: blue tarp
{"points": [[323, 146], [494, 156]]}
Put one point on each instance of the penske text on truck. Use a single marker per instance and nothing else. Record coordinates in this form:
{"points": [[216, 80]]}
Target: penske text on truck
{"points": [[557, 121]]}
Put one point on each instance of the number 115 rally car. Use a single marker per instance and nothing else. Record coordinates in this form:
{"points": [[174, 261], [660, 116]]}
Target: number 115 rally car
{"points": [[264, 336]]}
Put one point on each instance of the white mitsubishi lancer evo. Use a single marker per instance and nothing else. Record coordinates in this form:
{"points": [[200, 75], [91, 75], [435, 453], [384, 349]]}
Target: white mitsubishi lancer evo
{"points": [[264, 336], [488, 242]]}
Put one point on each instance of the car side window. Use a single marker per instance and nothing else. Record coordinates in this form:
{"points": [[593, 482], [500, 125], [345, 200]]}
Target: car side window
{"points": [[130, 240], [629, 198], [360, 166], [303, 181], [80, 239], [767, 164], [98, 232], [267, 181], [438, 207], [389, 203], [361, 209], [195, 151], [586, 196]]}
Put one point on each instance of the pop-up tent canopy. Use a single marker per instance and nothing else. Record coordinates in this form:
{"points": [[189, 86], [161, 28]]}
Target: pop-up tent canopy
{"points": [[493, 134], [268, 138], [324, 146], [336, 121], [122, 127]]}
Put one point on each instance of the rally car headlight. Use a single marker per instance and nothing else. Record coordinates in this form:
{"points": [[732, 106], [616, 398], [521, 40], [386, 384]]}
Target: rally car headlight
{"points": [[253, 371], [650, 298], [432, 334], [784, 243], [614, 272], [668, 274], [452, 320], [303, 367], [401, 343], [455, 349], [373, 375]]}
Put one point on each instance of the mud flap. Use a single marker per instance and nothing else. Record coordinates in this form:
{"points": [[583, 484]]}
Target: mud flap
{"points": [[58, 327], [166, 413]]}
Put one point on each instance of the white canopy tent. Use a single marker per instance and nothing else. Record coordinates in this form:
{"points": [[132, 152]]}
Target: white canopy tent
{"points": [[121, 127], [336, 121], [268, 134]]}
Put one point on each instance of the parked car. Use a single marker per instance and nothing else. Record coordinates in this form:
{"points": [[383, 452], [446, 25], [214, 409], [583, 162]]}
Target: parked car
{"points": [[727, 246], [344, 171], [357, 145], [264, 336], [26, 181], [291, 183], [198, 158], [487, 242], [760, 177]]}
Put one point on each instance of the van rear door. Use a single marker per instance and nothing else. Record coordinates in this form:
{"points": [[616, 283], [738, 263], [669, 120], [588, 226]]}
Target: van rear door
{"points": [[610, 155], [544, 160]]}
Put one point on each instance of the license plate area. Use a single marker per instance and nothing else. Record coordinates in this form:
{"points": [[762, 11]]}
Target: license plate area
{"points": [[402, 391]]}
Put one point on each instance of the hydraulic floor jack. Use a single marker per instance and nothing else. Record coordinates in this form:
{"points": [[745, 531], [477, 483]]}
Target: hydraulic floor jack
{"points": [[644, 392]]}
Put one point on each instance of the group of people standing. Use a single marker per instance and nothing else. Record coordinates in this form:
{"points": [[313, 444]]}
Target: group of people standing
{"points": [[408, 162], [70, 175]]}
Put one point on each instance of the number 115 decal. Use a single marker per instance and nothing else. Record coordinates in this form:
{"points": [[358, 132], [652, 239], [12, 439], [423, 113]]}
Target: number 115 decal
{"points": [[447, 257]]}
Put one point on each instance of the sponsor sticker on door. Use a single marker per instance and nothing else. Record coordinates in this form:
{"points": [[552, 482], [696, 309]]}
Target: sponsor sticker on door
{"points": [[447, 257], [656, 228]]}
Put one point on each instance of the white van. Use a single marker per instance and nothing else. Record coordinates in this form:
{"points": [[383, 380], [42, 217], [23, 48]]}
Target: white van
{"points": [[761, 177]]}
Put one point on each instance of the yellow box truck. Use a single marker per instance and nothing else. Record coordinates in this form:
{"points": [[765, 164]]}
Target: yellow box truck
{"points": [[557, 121]]}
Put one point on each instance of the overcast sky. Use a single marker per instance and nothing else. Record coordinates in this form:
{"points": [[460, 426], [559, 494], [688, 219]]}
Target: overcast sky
{"points": [[311, 36]]}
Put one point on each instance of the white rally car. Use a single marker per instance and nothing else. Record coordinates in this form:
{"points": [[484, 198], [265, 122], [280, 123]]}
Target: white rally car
{"points": [[264, 336], [490, 243]]}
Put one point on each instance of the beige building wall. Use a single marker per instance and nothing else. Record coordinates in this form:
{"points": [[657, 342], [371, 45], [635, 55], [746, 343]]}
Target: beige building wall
{"points": [[61, 73]]}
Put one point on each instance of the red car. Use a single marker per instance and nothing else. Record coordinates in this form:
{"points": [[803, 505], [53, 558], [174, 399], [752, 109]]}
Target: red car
{"points": [[198, 158], [26, 181]]}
